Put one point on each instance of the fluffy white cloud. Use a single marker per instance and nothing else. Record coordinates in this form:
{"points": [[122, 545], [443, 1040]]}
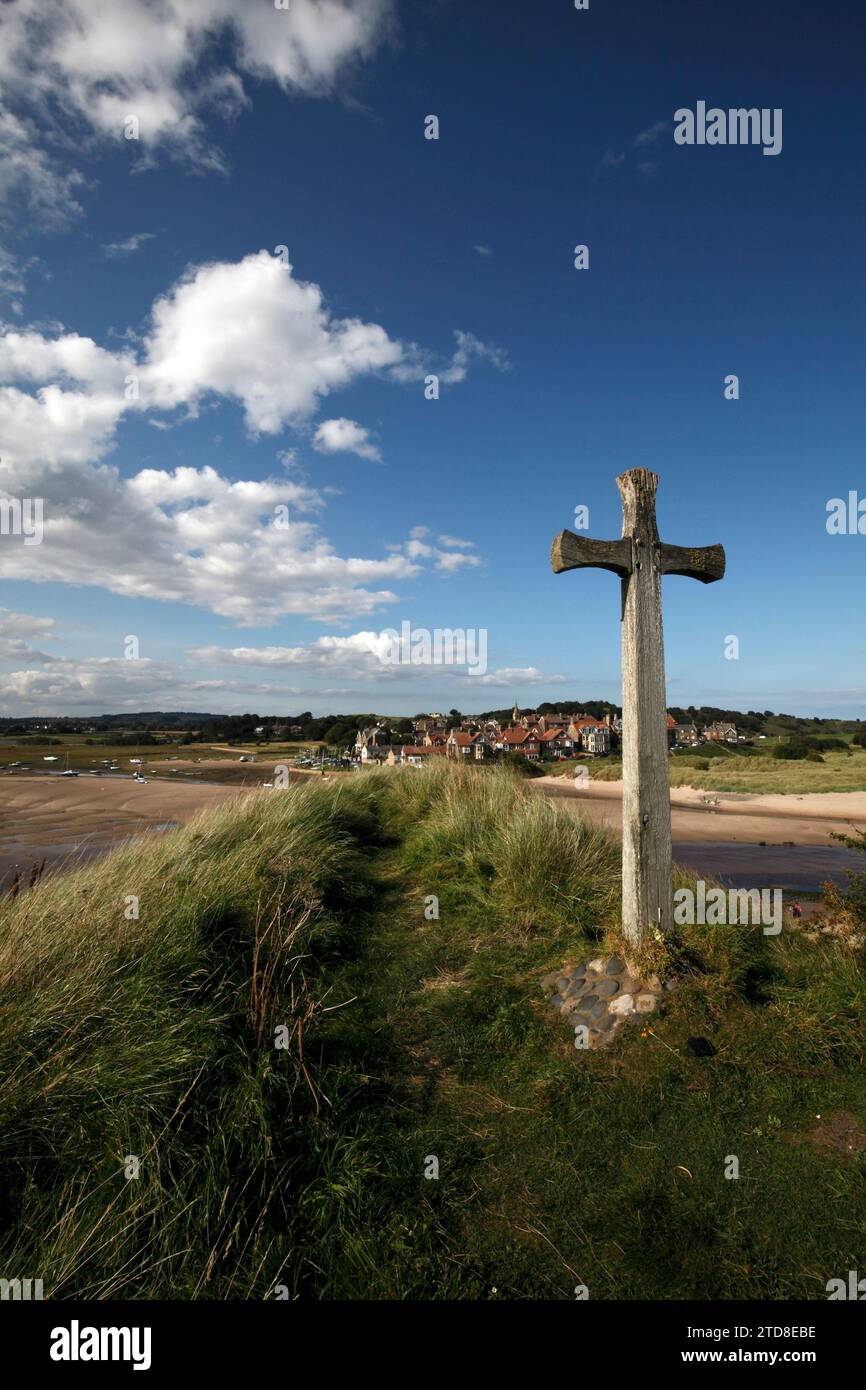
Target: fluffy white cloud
{"points": [[446, 561], [99, 61], [248, 332], [345, 437], [195, 537], [251, 331], [245, 330]]}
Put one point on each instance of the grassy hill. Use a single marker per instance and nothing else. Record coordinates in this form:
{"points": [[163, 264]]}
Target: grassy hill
{"points": [[409, 1037]]}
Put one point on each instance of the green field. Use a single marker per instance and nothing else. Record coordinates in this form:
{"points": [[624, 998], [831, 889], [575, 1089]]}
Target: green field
{"points": [[758, 771], [839, 772], [411, 1038]]}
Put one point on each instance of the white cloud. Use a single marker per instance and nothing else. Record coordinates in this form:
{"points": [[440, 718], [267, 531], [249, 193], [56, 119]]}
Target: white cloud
{"points": [[512, 676], [358, 656], [15, 627], [251, 331], [454, 543], [31, 181], [115, 249], [652, 133], [449, 562], [98, 61], [415, 363], [25, 625], [363, 657], [98, 684], [647, 168], [483, 250], [446, 561], [193, 536], [247, 331], [14, 649], [344, 436], [12, 282]]}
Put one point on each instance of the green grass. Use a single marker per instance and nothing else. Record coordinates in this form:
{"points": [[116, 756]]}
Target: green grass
{"points": [[730, 770], [411, 1036], [839, 772]]}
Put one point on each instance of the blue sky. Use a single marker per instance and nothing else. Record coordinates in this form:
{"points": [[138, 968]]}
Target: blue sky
{"points": [[154, 259]]}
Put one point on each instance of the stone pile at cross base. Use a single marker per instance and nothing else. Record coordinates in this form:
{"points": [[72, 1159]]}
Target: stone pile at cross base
{"points": [[598, 998]]}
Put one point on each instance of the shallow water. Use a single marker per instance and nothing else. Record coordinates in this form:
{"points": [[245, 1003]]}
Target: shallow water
{"points": [[797, 868], [22, 859]]}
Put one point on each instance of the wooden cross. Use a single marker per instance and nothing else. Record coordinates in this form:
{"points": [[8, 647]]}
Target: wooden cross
{"points": [[640, 559]]}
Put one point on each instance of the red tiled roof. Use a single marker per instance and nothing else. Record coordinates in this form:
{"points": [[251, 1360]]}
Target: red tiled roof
{"points": [[460, 739], [514, 736]]}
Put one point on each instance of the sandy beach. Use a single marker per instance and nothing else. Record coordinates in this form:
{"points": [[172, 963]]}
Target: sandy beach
{"points": [[739, 817]]}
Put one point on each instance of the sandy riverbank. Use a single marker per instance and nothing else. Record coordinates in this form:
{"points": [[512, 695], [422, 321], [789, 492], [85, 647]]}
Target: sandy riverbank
{"points": [[733, 816]]}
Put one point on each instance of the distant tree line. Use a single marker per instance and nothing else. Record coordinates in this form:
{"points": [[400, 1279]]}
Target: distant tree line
{"points": [[339, 730]]}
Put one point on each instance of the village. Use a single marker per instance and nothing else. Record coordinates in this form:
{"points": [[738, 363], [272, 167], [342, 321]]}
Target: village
{"points": [[538, 738]]}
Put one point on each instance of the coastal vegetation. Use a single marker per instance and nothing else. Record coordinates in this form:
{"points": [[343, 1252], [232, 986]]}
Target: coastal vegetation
{"points": [[230, 1056]]}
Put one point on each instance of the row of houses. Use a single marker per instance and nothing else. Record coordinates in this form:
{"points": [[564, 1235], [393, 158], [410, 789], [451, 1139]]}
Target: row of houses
{"points": [[535, 737], [687, 735], [548, 737]]}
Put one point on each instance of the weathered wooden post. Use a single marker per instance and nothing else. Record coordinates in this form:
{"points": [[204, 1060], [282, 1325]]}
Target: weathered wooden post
{"points": [[641, 559]]}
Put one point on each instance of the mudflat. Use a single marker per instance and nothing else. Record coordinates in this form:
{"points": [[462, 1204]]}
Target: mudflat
{"points": [[57, 818]]}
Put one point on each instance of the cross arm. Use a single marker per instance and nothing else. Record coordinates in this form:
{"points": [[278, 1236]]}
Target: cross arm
{"points": [[706, 563], [571, 552]]}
